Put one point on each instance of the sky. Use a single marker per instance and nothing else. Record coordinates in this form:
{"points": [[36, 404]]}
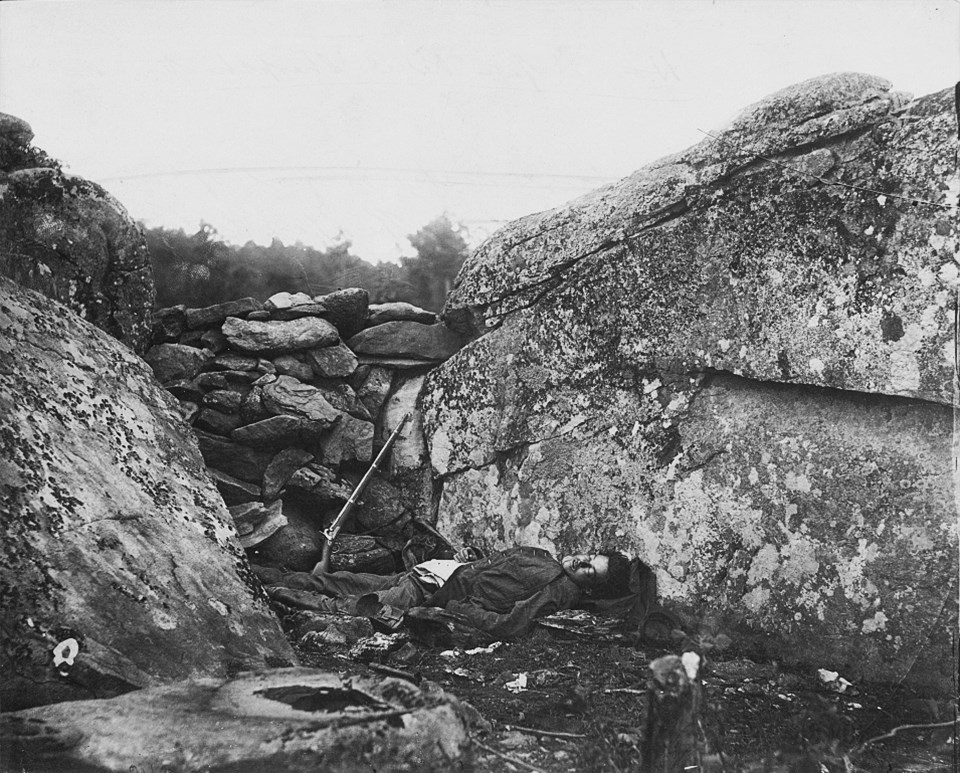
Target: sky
{"points": [[363, 120]]}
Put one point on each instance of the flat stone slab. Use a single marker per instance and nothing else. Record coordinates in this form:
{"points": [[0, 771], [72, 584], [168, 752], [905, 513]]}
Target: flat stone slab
{"points": [[406, 339], [289, 720], [279, 335]]}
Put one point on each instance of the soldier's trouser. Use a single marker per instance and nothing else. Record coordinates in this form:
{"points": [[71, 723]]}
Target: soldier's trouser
{"points": [[341, 591]]}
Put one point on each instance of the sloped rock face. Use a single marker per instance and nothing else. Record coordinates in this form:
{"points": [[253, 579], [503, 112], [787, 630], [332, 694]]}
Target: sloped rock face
{"points": [[291, 720], [707, 363], [120, 566], [69, 239]]}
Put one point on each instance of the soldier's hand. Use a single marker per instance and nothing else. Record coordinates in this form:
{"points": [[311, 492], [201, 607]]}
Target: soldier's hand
{"points": [[467, 554]]}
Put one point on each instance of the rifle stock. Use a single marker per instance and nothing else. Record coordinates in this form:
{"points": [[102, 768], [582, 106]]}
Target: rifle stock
{"points": [[331, 532]]}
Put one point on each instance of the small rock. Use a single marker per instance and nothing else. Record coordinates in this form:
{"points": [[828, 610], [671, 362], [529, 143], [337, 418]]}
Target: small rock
{"points": [[167, 325], [281, 467], [225, 400], [175, 362], [216, 422], [398, 311], [288, 365], [209, 316], [276, 431], [285, 300], [287, 395], [332, 361], [375, 388], [213, 340], [257, 522], [233, 361], [346, 309], [233, 490]]}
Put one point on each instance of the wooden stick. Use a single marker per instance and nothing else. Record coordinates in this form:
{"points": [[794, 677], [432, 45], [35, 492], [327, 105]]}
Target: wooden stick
{"points": [[551, 733]]}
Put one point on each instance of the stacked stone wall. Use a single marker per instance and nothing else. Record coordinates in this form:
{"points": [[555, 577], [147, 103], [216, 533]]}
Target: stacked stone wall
{"points": [[290, 400]]}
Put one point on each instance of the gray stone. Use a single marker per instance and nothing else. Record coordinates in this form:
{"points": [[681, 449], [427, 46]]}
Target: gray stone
{"points": [[343, 629], [319, 485], [351, 439], [188, 410], [288, 365], [106, 501], [287, 395], [187, 390], [380, 506], [342, 397], [282, 720], [398, 311], [281, 467], [71, 240], [332, 361], [278, 431], [233, 361], [211, 380], [213, 340], [286, 300], [15, 130], [233, 490], [409, 451], [397, 363], [256, 521], [375, 388], [225, 400], [252, 408], [209, 316], [233, 459], [167, 325], [175, 362], [279, 336], [297, 546], [216, 422], [346, 309], [406, 340], [304, 310], [355, 553]]}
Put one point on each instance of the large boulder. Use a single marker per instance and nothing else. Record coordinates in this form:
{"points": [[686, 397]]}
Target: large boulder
{"points": [[71, 240], [738, 368], [289, 720], [120, 566]]}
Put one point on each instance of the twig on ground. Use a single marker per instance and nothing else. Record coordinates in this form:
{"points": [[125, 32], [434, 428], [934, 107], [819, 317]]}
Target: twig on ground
{"points": [[628, 690], [508, 758], [551, 733], [896, 730]]}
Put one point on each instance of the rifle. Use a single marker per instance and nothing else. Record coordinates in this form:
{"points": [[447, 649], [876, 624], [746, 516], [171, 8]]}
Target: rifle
{"points": [[331, 532]]}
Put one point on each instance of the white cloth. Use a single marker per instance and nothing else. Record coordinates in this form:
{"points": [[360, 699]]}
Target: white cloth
{"points": [[437, 571]]}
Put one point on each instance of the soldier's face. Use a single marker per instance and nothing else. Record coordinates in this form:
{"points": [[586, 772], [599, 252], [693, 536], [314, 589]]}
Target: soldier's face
{"points": [[585, 569]]}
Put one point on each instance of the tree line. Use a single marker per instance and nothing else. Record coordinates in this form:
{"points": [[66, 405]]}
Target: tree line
{"points": [[201, 269]]}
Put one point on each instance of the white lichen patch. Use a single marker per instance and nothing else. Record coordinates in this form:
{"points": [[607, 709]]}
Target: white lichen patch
{"points": [[876, 623], [797, 482]]}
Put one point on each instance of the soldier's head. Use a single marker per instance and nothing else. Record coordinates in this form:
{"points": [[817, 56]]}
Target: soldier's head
{"points": [[605, 574]]}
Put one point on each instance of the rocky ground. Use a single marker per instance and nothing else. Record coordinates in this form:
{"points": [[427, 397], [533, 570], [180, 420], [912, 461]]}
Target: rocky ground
{"points": [[571, 697]]}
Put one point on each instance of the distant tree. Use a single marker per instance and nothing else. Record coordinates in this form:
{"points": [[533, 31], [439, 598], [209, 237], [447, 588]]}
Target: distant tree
{"points": [[441, 250], [201, 269], [188, 269]]}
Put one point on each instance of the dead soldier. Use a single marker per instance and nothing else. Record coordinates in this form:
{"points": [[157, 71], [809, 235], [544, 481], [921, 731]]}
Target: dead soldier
{"points": [[499, 596]]}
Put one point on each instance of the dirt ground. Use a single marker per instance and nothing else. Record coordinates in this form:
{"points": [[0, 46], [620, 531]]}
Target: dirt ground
{"points": [[571, 697]]}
